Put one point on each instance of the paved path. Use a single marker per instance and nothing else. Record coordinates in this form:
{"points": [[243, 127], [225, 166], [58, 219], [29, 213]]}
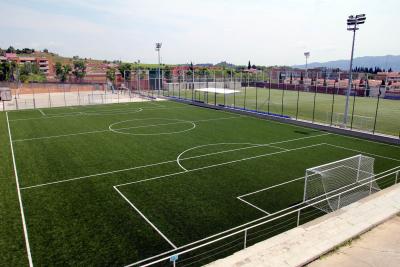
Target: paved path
{"points": [[379, 247], [307, 242]]}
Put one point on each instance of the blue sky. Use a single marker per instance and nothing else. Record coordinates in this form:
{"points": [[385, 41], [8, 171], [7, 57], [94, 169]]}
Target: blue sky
{"points": [[269, 32]]}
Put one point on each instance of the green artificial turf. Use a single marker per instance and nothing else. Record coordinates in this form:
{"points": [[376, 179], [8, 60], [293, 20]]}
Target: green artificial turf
{"points": [[285, 102], [70, 166]]}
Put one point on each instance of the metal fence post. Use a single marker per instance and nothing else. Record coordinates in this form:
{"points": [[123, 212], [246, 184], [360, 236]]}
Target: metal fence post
{"points": [[33, 96], [333, 102], [283, 96], [256, 97], [298, 217], [245, 96], [338, 203], [370, 187], [48, 91], [79, 97], [376, 110], [297, 105], [315, 96], [234, 92], [245, 239], [395, 181], [269, 92], [354, 104], [65, 101], [224, 91]]}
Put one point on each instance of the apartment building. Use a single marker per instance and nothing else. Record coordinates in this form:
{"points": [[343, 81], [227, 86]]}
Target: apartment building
{"points": [[41, 62]]}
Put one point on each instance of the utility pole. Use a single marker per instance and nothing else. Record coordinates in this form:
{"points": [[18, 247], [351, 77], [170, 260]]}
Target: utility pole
{"points": [[158, 48], [352, 23], [307, 55]]}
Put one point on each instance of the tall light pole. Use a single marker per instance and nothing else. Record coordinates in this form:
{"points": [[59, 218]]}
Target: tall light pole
{"points": [[352, 23], [158, 48], [307, 55]]}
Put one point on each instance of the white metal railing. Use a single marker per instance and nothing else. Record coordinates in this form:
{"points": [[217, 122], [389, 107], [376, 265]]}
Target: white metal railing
{"points": [[175, 253]]}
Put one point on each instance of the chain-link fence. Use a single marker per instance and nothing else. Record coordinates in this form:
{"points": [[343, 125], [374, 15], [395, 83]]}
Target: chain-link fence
{"points": [[48, 95], [374, 109], [371, 109]]}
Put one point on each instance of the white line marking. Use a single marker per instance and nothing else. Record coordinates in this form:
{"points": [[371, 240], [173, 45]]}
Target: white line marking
{"points": [[254, 206], [178, 159], [152, 125], [270, 187], [99, 131], [363, 152], [98, 174], [58, 136], [145, 218], [28, 248], [83, 113], [41, 111]]}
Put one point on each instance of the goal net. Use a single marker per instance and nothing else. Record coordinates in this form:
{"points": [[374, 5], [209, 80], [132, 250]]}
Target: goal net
{"points": [[331, 186], [360, 122]]}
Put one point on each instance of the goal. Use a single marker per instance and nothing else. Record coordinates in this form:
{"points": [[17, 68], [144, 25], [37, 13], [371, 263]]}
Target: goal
{"points": [[331, 186]]}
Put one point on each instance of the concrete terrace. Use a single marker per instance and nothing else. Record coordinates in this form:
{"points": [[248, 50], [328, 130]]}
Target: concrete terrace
{"points": [[301, 245]]}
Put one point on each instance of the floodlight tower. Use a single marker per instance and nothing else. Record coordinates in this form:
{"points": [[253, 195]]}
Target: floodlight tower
{"points": [[352, 23], [307, 55], [158, 48]]}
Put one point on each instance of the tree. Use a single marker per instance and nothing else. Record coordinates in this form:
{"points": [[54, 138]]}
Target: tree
{"points": [[63, 71], [5, 71], [167, 73], [79, 69], [249, 65], [390, 69], [254, 67], [29, 72], [45, 50], [291, 78], [110, 74], [125, 69], [11, 49]]}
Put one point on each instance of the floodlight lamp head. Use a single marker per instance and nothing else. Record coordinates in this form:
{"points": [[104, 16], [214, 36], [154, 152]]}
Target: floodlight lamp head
{"points": [[307, 54]]}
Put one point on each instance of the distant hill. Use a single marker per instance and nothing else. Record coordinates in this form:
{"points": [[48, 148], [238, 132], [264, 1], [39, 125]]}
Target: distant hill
{"points": [[384, 62]]}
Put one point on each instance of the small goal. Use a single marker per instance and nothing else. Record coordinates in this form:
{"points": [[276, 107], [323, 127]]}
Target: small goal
{"points": [[331, 186]]}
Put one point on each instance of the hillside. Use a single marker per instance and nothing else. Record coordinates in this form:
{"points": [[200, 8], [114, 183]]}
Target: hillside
{"points": [[384, 62]]}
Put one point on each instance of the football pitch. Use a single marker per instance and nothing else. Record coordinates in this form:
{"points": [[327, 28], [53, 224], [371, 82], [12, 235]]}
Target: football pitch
{"points": [[319, 107], [112, 185]]}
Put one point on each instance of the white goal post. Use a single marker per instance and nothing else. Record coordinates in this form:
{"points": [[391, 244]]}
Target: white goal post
{"points": [[330, 179]]}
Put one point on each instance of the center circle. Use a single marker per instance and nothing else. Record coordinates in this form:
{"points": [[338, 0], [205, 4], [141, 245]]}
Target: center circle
{"points": [[152, 126]]}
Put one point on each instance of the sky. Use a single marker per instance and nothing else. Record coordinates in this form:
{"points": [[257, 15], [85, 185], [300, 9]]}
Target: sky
{"points": [[266, 32]]}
